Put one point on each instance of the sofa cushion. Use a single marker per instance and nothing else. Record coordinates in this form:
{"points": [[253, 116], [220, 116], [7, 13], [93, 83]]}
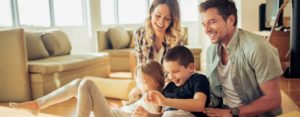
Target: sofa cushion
{"points": [[35, 47], [57, 43], [65, 62], [119, 37], [119, 52]]}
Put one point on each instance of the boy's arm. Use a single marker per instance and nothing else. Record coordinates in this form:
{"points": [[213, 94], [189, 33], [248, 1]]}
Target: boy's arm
{"points": [[197, 104]]}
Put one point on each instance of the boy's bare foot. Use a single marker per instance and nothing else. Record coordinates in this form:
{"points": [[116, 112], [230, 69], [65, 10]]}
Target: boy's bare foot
{"points": [[31, 106]]}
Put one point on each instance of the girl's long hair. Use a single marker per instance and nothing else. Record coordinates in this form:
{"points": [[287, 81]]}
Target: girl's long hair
{"points": [[154, 70]]}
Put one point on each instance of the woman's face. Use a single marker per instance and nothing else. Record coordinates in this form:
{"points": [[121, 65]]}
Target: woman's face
{"points": [[161, 19], [149, 83]]}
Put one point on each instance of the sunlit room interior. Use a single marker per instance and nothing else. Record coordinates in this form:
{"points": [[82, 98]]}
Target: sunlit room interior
{"points": [[45, 44]]}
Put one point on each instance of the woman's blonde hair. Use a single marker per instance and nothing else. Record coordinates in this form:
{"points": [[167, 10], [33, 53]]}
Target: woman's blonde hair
{"points": [[173, 32], [154, 70]]}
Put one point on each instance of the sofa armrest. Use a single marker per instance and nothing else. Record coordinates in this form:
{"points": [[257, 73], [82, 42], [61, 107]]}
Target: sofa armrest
{"points": [[103, 41], [133, 63], [14, 82]]}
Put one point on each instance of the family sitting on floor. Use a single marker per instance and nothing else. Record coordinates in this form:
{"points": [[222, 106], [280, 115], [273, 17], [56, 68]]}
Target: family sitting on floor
{"points": [[241, 76]]}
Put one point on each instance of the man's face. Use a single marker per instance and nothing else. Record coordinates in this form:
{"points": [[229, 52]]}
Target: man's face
{"points": [[178, 73], [215, 26]]}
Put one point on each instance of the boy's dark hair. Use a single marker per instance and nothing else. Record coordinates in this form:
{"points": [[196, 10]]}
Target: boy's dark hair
{"points": [[225, 8], [180, 54]]}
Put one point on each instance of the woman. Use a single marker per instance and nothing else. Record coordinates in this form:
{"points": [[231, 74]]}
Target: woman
{"points": [[160, 32]]}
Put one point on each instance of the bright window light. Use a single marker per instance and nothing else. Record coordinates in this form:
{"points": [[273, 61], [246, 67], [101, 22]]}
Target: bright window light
{"points": [[107, 12], [34, 12], [132, 13], [68, 12], [5, 13], [189, 10], [150, 3]]}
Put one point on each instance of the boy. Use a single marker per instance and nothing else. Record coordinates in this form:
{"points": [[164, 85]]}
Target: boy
{"points": [[187, 93]]}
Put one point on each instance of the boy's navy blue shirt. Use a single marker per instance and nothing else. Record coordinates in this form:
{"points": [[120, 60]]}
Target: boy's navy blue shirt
{"points": [[196, 83]]}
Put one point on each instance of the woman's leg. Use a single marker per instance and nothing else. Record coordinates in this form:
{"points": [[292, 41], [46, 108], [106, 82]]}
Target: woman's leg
{"points": [[90, 99]]}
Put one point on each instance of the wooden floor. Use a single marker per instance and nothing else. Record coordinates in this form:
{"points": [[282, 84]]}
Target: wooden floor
{"points": [[290, 103]]}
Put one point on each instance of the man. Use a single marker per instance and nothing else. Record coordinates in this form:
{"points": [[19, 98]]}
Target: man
{"points": [[242, 67]]}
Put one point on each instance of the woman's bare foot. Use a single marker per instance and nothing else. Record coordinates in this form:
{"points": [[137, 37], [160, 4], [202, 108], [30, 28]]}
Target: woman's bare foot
{"points": [[31, 106]]}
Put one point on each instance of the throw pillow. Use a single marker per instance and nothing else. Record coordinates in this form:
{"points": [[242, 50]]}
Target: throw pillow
{"points": [[119, 37], [35, 47], [132, 43], [57, 43]]}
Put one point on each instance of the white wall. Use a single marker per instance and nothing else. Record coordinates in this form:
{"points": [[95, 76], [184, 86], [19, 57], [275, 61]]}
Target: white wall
{"points": [[250, 14]]}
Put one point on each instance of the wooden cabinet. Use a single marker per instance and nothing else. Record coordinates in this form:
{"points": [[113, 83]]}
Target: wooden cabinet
{"points": [[280, 40]]}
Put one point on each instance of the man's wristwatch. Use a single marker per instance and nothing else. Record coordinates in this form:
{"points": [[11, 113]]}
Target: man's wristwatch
{"points": [[235, 111]]}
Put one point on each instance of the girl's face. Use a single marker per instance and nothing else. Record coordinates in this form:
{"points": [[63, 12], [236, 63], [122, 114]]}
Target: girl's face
{"points": [[149, 83], [161, 19]]}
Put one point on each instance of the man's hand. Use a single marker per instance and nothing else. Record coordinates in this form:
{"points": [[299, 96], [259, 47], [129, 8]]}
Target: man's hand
{"points": [[140, 112], [216, 112], [155, 97]]}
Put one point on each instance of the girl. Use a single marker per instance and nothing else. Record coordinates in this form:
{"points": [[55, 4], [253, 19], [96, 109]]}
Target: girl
{"points": [[90, 98]]}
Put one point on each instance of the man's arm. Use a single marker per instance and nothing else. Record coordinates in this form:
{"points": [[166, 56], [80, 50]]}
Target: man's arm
{"points": [[270, 100]]}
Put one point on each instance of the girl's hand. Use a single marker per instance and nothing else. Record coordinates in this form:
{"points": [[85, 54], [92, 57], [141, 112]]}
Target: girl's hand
{"points": [[140, 112], [134, 94], [155, 97]]}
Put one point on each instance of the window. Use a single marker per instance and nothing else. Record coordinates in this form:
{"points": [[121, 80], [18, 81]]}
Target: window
{"points": [[189, 10], [5, 13], [132, 13], [34, 12], [114, 12], [68, 12], [107, 12]]}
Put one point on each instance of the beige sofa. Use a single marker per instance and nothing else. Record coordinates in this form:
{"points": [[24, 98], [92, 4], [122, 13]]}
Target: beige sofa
{"points": [[119, 43], [14, 82], [50, 64], [48, 73]]}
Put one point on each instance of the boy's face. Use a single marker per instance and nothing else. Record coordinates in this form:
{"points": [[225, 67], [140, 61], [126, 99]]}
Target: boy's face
{"points": [[178, 73]]}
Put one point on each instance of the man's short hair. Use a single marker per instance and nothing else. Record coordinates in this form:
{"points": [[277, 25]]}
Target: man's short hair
{"points": [[180, 54], [225, 8]]}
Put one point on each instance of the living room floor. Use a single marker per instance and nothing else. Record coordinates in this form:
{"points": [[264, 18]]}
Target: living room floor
{"points": [[290, 92]]}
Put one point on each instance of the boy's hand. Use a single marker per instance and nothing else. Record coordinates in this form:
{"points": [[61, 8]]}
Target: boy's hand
{"points": [[155, 97], [216, 112], [140, 112]]}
